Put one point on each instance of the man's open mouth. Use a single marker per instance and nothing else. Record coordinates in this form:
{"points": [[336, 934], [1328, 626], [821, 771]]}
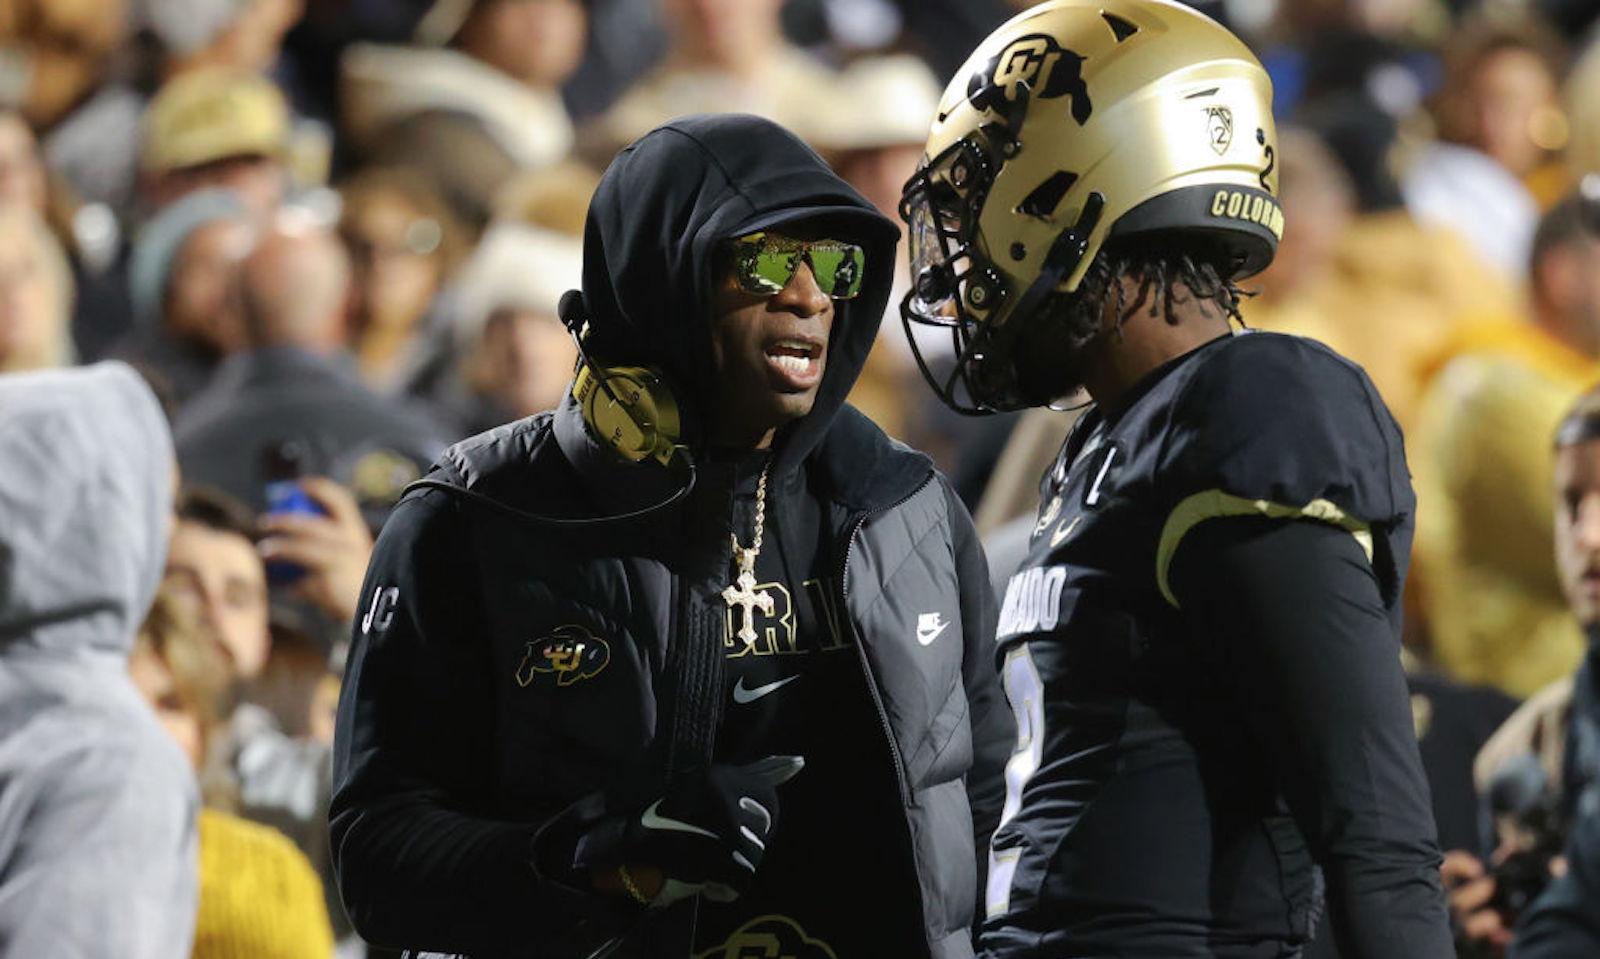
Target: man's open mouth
{"points": [[796, 358], [794, 354]]}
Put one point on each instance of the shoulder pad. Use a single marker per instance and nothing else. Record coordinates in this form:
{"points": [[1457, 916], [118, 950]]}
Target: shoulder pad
{"points": [[1286, 420]]}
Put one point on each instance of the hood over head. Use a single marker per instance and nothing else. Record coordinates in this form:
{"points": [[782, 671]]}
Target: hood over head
{"points": [[85, 501], [651, 241]]}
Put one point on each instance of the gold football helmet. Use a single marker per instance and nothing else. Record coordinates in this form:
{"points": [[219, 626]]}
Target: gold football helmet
{"points": [[1074, 123]]}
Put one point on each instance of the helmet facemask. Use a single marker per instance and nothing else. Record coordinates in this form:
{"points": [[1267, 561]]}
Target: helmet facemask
{"points": [[954, 285]]}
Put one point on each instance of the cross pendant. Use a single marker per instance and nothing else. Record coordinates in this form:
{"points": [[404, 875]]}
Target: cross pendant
{"points": [[743, 593]]}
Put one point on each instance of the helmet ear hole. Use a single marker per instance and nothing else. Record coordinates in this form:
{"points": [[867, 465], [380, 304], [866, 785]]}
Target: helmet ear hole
{"points": [[1122, 28], [1047, 195]]}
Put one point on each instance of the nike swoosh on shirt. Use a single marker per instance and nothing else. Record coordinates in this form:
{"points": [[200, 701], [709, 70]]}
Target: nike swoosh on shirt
{"points": [[652, 819], [742, 695], [1062, 532], [927, 636]]}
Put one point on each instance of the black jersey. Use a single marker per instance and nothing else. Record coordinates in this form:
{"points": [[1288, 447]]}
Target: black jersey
{"points": [[1144, 814]]}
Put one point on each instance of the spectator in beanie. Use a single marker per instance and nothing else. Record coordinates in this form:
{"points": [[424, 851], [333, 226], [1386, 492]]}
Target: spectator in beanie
{"points": [[181, 278]]}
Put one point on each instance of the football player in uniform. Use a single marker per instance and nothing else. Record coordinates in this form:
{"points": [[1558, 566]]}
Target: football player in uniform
{"points": [[1215, 747]]}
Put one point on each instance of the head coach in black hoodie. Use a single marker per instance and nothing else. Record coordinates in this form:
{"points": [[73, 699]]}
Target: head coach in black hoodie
{"points": [[700, 662]]}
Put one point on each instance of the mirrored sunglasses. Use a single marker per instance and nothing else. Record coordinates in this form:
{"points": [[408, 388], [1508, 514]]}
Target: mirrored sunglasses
{"points": [[764, 263]]}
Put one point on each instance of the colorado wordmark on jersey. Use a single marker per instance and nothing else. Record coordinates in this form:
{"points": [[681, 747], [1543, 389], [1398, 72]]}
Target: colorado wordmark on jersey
{"points": [[1033, 601]]}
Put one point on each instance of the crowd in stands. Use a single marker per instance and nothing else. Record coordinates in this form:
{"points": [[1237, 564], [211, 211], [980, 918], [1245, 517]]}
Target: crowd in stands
{"points": [[331, 238]]}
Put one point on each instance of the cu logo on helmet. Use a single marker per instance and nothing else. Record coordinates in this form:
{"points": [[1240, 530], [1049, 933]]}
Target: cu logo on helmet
{"points": [[1037, 63]]}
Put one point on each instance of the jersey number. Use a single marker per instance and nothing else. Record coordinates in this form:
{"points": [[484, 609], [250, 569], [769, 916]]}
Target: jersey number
{"points": [[1026, 693]]}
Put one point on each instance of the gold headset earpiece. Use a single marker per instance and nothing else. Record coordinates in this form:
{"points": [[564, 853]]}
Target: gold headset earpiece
{"points": [[630, 409]]}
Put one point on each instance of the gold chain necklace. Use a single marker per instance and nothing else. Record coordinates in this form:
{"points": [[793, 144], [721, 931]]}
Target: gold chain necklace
{"points": [[743, 591]]}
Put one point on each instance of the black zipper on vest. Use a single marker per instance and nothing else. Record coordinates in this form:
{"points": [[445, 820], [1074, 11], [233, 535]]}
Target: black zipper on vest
{"points": [[861, 645]]}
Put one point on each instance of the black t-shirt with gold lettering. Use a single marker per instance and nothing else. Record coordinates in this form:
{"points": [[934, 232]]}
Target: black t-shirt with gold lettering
{"points": [[836, 880]]}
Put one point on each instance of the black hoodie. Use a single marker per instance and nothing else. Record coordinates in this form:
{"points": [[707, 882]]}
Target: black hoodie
{"points": [[462, 774], [682, 190]]}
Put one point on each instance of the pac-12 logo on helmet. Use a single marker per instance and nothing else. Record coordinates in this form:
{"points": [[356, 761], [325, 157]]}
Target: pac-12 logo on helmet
{"points": [[1219, 128], [1039, 64], [570, 653]]}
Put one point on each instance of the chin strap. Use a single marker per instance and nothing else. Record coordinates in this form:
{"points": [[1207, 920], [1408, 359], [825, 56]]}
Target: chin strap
{"points": [[1065, 254]]}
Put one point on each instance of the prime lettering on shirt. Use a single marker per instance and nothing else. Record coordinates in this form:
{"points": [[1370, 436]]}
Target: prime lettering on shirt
{"points": [[823, 593], [777, 632], [773, 624], [1033, 601]]}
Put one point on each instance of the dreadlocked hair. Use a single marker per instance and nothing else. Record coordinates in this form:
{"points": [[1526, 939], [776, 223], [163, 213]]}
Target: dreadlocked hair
{"points": [[1161, 276]]}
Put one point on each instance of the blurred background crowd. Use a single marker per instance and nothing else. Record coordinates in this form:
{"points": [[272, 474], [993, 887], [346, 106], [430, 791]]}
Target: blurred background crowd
{"points": [[332, 235]]}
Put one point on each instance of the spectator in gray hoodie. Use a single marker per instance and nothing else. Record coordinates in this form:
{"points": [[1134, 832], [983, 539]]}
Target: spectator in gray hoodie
{"points": [[97, 803]]}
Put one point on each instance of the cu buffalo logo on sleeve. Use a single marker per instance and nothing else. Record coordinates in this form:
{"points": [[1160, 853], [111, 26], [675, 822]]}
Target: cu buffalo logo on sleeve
{"points": [[1036, 63], [569, 653]]}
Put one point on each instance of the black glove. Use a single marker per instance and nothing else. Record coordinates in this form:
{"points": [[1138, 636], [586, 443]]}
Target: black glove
{"points": [[706, 835]]}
